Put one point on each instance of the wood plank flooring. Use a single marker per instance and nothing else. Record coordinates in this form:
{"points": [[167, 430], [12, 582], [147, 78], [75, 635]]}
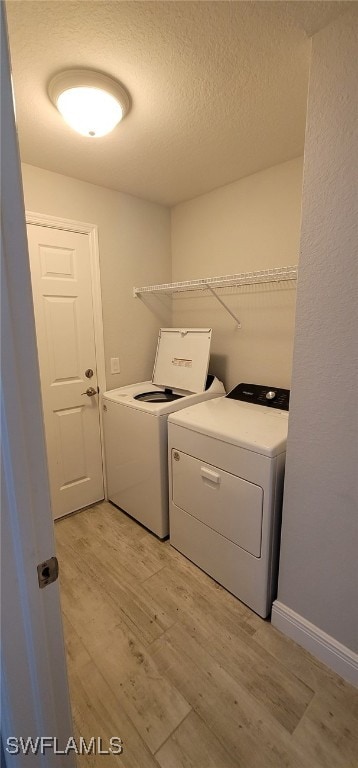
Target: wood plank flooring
{"points": [[186, 675]]}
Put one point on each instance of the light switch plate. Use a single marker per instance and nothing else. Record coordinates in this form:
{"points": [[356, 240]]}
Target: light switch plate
{"points": [[115, 368]]}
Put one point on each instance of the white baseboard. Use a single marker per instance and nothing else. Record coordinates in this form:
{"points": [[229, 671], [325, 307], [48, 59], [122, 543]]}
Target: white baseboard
{"points": [[335, 655]]}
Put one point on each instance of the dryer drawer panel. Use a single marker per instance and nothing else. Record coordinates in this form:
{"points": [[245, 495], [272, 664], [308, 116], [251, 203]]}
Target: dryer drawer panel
{"points": [[226, 503]]}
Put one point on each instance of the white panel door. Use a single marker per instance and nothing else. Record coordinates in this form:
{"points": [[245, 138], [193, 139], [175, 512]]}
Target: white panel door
{"points": [[62, 291]]}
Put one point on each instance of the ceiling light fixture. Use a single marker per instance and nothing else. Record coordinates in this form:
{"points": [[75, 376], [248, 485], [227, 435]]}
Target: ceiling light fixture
{"points": [[91, 103]]}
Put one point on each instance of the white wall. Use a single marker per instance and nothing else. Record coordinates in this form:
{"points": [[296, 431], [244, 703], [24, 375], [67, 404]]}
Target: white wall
{"points": [[318, 570], [134, 242], [251, 224]]}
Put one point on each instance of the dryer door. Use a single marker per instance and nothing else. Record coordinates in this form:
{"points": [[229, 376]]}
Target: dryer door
{"points": [[226, 503]]}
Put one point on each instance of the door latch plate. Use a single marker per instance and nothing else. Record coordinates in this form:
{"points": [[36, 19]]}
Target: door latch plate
{"points": [[47, 572]]}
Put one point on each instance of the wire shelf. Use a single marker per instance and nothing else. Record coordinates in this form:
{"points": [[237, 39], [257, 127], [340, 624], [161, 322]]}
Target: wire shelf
{"points": [[274, 275]]}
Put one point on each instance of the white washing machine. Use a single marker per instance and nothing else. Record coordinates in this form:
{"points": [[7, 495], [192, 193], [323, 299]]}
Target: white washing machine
{"points": [[135, 424], [226, 469]]}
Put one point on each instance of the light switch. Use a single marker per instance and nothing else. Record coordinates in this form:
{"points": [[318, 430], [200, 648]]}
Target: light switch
{"points": [[115, 365]]}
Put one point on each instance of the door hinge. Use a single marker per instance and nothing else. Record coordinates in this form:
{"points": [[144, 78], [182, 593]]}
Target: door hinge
{"points": [[47, 572]]}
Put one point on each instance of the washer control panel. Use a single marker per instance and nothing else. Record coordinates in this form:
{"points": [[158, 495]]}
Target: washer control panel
{"points": [[273, 397]]}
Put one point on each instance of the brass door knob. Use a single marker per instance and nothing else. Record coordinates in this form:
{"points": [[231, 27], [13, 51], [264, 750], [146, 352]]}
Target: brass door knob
{"points": [[90, 392]]}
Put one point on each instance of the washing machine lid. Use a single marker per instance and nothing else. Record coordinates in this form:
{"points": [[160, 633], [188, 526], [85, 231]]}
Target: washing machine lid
{"points": [[182, 358], [253, 427]]}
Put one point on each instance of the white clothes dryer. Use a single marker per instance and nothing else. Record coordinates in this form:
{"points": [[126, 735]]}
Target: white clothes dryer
{"points": [[135, 424], [226, 469]]}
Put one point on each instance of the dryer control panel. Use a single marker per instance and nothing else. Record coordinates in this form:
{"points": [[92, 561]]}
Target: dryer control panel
{"points": [[273, 397]]}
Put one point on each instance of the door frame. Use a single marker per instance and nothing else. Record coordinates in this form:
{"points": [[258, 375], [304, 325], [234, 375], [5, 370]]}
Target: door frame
{"points": [[34, 685], [83, 228]]}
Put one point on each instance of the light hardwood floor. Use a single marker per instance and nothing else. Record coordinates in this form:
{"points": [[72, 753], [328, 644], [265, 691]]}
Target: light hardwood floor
{"points": [[186, 675]]}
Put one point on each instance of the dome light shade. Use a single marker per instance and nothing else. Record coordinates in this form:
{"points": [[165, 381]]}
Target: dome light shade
{"points": [[90, 102]]}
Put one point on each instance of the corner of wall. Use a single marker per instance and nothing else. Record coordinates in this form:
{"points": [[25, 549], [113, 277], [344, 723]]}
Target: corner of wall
{"points": [[324, 647]]}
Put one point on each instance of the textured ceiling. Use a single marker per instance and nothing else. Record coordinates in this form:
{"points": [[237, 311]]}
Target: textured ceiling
{"points": [[218, 89]]}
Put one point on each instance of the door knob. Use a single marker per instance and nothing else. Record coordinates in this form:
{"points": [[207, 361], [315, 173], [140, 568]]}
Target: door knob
{"points": [[90, 392]]}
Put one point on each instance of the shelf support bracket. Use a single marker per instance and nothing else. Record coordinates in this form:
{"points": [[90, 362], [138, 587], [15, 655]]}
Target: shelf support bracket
{"points": [[223, 304]]}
